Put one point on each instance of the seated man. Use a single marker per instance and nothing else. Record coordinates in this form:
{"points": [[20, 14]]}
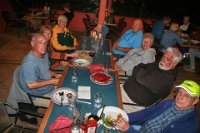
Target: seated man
{"points": [[160, 27], [34, 76], [151, 82], [170, 116], [171, 37], [144, 55], [129, 40], [192, 54]]}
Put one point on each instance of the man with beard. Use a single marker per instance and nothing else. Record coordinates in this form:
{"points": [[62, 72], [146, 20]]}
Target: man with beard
{"points": [[151, 82]]}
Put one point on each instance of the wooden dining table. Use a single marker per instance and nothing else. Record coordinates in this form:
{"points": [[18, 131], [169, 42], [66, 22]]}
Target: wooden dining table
{"points": [[111, 93]]}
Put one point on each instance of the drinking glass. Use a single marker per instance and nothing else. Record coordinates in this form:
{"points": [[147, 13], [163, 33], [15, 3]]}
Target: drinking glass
{"points": [[84, 44], [98, 100], [76, 113]]}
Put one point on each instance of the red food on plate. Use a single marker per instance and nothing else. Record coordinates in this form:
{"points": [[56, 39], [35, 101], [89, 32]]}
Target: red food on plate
{"points": [[101, 77]]}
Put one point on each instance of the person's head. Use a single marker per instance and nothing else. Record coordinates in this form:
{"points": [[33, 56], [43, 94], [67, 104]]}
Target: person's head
{"points": [[174, 27], [166, 20], [137, 25], [170, 59], [147, 41], [188, 95], [67, 7], [62, 21], [46, 30], [39, 44], [186, 20]]}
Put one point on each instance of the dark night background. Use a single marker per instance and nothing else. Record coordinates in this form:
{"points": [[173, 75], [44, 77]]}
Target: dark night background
{"points": [[153, 9]]}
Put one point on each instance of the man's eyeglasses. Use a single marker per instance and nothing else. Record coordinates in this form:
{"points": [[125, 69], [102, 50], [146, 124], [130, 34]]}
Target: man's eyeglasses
{"points": [[184, 95]]}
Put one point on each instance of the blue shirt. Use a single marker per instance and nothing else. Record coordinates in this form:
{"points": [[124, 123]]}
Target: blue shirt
{"points": [[129, 39], [158, 29], [159, 123], [35, 69], [170, 38], [185, 124]]}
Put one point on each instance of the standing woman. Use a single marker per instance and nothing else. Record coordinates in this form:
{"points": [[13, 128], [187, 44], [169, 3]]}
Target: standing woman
{"points": [[69, 13], [62, 40]]}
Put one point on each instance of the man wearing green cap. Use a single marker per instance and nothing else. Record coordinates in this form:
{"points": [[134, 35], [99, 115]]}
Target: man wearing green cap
{"points": [[170, 116]]}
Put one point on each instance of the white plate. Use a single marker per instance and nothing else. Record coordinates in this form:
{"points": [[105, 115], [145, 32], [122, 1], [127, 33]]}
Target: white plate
{"points": [[113, 112], [101, 83], [195, 41], [56, 98], [81, 62]]}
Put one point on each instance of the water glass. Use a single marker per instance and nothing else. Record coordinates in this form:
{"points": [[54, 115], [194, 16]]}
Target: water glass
{"points": [[98, 100], [84, 44], [76, 113]]}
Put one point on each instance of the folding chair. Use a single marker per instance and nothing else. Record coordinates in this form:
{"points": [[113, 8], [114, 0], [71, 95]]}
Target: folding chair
{"points": [[7, 126]]}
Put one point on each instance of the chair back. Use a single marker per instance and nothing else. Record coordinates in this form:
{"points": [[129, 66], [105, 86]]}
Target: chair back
{"points": [[8, 17], [16, 93], [121, 25], [5, 121]]}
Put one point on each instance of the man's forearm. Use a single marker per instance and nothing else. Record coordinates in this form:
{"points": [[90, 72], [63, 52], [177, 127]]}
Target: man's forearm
{"points": [[39, 84], [125, 50]]}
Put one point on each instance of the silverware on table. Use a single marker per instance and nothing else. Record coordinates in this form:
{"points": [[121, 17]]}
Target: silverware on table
{"points": [[81, 101], [61, 94]]}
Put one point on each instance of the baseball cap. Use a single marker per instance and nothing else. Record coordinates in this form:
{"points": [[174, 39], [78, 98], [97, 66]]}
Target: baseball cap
{"points": [[191, 87]]}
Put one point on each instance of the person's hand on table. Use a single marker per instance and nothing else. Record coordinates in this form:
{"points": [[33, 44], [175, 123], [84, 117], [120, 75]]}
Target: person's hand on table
{"points": [[58, 76], [121, 72], [54, 81], [122, 124]]}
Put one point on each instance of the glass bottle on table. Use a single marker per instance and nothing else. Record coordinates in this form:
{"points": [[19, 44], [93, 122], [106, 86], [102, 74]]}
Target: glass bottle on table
{"points": [[74, 75]]}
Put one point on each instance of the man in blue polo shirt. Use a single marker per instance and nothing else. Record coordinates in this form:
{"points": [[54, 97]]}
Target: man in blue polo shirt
{"points": [[129, 40]]}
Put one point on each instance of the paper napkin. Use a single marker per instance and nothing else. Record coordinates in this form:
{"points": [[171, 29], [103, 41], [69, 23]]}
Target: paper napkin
{"points": [[84, 92]]}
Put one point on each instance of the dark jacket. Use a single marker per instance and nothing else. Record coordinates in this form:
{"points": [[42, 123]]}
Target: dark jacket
{"points": [[149, 83], [186, 124]]}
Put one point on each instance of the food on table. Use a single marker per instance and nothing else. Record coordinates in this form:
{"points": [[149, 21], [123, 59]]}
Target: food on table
{"points": [[108, 121], [69, 95], [101, 77], [84, 54]]}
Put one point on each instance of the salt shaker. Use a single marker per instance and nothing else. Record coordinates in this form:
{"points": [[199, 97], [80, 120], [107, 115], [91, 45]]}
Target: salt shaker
{"points": [[75, 128], [74, 75]]}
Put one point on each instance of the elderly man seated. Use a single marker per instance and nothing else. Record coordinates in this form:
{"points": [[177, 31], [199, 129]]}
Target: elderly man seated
{"points": [[170, 116], [171, 37], [129, 40], [145, 55], [151, 82], [34, 76]]}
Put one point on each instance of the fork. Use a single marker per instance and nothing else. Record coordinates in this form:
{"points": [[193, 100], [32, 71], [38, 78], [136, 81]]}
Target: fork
{"points": [[61, 94]]}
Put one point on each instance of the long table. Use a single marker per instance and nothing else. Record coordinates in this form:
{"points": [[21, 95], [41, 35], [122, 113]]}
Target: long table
{"points": [[111, 94]]}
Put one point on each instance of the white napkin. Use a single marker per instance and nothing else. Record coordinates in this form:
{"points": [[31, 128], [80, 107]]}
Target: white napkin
{"points": [[84, 92]]}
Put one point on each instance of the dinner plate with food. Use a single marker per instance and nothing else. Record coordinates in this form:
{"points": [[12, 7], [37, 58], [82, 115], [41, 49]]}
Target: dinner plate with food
{"points": [[81, 63], [101, 78], [109, 115], [85, 54], [62, 95]]}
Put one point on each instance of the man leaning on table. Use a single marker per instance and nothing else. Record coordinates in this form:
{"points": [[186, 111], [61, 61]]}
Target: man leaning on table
{"points": [[129, 40], [151, 82], [34, 76], [170, 116]]}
